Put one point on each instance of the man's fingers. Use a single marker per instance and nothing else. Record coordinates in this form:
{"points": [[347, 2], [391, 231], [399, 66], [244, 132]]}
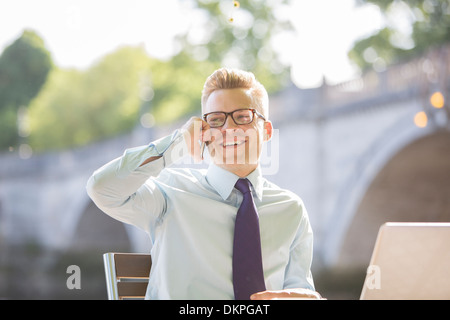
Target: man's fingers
{"points": [[286, 294], [264, 295], [193, 133]]}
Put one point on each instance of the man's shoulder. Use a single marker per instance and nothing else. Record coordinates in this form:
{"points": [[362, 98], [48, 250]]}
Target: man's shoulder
{"points": [[288, 203], [273, 190], [182, 175]]}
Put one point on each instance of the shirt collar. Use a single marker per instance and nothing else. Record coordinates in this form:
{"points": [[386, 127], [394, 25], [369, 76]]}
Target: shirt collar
{"points": [[223, 181]]}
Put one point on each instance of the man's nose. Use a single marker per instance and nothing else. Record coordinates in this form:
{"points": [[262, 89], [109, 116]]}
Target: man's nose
{"points": [[229, 124]]}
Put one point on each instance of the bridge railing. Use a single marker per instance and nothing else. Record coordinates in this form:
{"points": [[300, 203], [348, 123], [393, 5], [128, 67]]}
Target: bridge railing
{"points": [[419, 75]]}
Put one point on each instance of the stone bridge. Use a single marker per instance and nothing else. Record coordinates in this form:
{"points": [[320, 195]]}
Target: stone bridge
{"points": [[358, 153]]}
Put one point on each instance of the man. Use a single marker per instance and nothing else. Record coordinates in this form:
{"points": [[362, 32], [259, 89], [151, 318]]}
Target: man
{"points": [[191, 215]]}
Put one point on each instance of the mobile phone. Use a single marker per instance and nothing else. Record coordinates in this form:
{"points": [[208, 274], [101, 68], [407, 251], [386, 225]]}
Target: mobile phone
{"points": [[202, 148]]}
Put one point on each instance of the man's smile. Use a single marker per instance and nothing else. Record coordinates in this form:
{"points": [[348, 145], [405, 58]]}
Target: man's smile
{"points": [[234, 143]]}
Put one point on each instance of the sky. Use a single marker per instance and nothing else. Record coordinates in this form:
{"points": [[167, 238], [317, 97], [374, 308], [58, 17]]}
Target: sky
{"points": [[78, 33]]}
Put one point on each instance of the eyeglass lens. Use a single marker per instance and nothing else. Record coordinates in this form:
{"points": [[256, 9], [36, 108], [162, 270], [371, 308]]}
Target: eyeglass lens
{"points": [[217, 119]]}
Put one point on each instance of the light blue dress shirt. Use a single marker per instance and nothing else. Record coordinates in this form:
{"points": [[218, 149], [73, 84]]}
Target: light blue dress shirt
{"points": [[189, 215]]}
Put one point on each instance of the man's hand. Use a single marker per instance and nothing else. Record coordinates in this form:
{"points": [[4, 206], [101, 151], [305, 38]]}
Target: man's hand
{"points": [[195, 132], [298, 293]]}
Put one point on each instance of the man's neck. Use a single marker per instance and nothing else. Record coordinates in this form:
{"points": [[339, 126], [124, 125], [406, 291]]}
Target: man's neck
{"points": [[241, 170]]}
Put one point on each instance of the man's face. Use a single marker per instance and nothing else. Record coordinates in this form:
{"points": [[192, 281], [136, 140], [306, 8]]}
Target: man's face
{"points": [[234, 144]]}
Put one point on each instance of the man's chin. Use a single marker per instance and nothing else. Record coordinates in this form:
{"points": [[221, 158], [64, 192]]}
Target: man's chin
{"points": [[234, 161], [235, 156]]}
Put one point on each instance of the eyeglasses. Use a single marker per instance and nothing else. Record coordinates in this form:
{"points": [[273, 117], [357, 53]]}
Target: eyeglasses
{"points": [[240, 117]]}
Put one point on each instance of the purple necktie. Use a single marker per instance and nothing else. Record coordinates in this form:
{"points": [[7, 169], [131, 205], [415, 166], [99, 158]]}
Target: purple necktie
{"points": [[248, 276]]}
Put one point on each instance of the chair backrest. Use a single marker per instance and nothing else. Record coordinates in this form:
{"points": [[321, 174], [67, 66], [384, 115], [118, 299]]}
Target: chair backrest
{"points": [[126, 275]]}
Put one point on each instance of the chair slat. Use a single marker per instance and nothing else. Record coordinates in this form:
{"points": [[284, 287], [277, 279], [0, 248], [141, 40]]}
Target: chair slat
{"points": [[127, 274], [130, 265], [131, 290]]}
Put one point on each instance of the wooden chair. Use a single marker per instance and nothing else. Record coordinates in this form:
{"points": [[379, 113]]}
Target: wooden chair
{"points": [[126, 275]]}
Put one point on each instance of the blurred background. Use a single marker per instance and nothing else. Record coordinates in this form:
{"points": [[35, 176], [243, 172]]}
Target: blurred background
{"points": [[359, 93]]}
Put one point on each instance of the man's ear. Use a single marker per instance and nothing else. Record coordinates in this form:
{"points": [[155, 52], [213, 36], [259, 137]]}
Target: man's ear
{"points": [[268, 129]]}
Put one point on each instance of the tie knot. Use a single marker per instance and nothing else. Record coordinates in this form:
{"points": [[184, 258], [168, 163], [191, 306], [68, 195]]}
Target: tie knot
{"points": [[243, 185]]}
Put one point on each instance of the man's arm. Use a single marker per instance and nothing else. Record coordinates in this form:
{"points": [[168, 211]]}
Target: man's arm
{"points": [[148, 160], [122, 189], [298, 282], [193, 133]]}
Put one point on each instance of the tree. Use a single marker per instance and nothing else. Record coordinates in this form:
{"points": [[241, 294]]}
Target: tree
{"points": [[177, 86], [78, 107], [24, 66], [239, 34], [428, 25]]}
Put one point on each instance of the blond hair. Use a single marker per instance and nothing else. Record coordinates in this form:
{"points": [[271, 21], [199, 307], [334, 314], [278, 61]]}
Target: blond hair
{"points": [[234, 78]]}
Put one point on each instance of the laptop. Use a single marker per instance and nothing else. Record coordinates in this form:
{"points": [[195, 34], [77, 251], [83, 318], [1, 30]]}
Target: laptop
{"points": [[410, 261]]}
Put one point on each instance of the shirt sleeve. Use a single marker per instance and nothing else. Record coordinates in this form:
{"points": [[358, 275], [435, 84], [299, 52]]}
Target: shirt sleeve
{"points": [[123, 189], [298, 271]]}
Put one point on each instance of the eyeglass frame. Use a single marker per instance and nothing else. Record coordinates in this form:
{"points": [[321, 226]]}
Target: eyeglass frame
{"points": [[254, 111]]}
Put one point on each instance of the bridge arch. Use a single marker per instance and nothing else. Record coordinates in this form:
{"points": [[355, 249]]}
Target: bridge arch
{"points": [[92, 228], [96, 230], [369, 163], [413, 185]]}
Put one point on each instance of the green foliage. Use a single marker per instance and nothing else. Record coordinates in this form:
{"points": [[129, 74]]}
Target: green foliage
{"points": [[24, 66], [78, 107], [8, 127], [240, 36], [381, 49], [177, 85], [75, 107], [430, 27]]}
